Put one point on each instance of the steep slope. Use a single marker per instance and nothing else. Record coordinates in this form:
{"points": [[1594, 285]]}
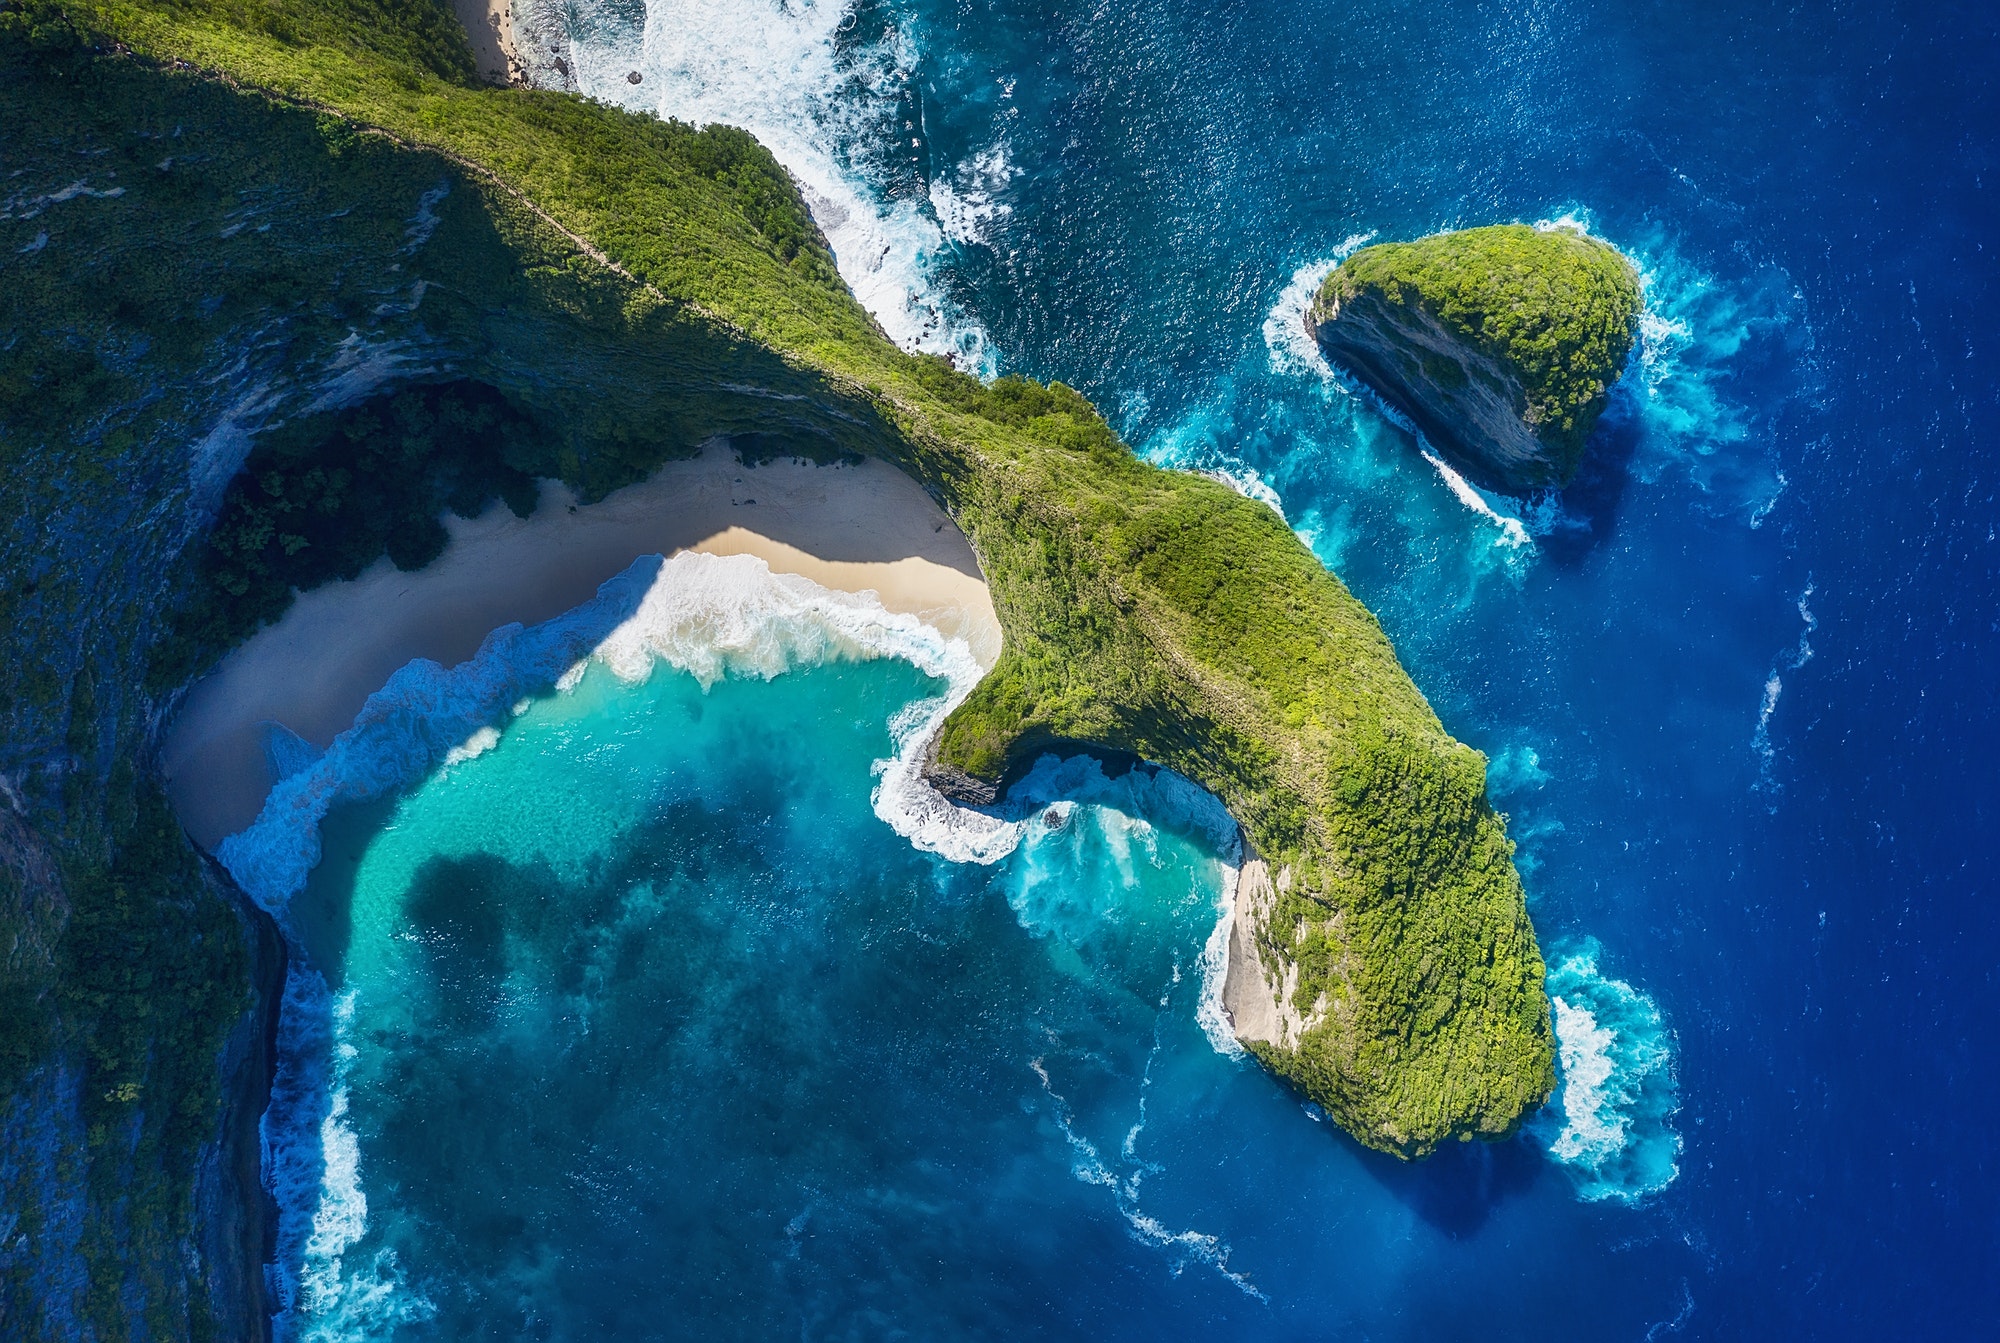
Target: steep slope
{"points": [[1501, 343], [375, 220]]}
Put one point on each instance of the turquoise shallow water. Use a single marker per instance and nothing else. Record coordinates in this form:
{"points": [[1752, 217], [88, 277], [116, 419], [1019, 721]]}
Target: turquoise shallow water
{"points": [[652, 1020], [639, 1015]]}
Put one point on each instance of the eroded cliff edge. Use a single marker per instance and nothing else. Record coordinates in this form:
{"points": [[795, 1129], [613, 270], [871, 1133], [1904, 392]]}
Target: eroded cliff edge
{"points": [[1501, 343]]}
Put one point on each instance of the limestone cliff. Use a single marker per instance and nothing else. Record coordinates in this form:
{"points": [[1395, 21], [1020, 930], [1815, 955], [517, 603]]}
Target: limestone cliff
{"points": [[1501, 344]]}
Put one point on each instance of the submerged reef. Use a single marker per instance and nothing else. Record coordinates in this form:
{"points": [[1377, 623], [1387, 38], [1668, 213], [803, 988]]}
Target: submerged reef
{"points": [[286, 243], [1501, 344]]}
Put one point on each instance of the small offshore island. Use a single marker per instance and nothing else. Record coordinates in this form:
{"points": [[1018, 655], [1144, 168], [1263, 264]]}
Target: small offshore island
{"points": [[463, 290], [1501, 343]]}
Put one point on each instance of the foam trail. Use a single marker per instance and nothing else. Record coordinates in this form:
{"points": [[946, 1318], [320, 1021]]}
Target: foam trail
{"points": [[338, 1303], [1513, 532], [824, 105], [1088, 1166], [1610, 1124], [1774, 685]]}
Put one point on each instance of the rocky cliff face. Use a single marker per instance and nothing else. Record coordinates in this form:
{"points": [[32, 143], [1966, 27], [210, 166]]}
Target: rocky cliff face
{"points": [[1501, 344], [130, 1209], [235, 1219]]}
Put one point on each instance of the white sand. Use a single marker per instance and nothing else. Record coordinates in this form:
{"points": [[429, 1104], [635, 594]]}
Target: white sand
{"points": [[489, 26], [852, 528]]}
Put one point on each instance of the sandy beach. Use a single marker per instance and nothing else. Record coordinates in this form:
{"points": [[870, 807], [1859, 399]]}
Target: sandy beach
{"points": [[489, 26], [851, 528]]}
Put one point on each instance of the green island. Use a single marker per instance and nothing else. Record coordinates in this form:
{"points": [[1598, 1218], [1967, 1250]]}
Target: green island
{"points": [[217, 215], [1501, 343]]}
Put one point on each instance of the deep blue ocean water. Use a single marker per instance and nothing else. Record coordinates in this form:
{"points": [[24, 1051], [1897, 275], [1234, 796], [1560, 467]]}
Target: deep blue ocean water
{"points": [[647, 1023]]}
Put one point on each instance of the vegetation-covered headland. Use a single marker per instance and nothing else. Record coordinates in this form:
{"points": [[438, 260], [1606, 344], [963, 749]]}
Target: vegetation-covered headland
{"points": [[1500, 343], [280, 282]]}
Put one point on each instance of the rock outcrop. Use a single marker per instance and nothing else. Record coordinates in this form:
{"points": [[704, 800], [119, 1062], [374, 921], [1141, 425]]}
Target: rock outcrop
{"points": [[1501, 344]]}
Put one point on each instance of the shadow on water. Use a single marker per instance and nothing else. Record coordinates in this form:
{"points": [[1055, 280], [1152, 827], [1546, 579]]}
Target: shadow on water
{"points": [[389, 730], [1458, 1187], [323, 913], [1586, 511]]}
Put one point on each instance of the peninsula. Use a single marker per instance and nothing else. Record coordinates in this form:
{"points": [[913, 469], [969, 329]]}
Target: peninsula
{"points": [[272, 276]]}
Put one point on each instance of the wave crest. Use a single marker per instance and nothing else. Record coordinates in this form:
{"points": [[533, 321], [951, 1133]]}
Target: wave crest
{"points": [[841, 111], [1610, 1124]]}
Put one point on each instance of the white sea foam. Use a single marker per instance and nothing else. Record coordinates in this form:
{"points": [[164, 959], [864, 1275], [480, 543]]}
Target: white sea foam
{"points": [[1292, 351], [339, 1301], [1514, 535], [1089, 1167], [1774, 685], [822, 104], [1248, 482], [1210, 1012], [474, 746], [1610, 1123], [969, 206], [1513, 532]]}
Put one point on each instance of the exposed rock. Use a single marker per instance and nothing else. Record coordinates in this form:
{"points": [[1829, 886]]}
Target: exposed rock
{"points": [[1501, 344], [1257, 997], [235, 1216]]}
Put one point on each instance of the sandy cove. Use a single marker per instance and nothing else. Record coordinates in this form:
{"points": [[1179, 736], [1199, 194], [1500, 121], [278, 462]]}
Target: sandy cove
{"points": [[850, 528], [489, 27]]}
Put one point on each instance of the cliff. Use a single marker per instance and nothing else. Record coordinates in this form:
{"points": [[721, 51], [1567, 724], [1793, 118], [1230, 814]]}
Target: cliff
{"points": [[228, 238], [1501, 344], [139, 1029]]}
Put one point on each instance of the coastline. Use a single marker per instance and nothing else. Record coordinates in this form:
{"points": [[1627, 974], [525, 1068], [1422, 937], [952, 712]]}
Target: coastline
{"points": [[854, 528], [489, 29]]}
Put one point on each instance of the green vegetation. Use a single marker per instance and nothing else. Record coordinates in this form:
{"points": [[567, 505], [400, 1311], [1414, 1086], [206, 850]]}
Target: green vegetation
{"points": [[560, 289], [154, 971], [325, 496], [1557, 308], [150, 973]]}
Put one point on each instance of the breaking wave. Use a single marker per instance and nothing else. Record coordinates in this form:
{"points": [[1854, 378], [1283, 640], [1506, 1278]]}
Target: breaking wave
{"points": [[1610, 1124], [706, 615], [839, 108]]}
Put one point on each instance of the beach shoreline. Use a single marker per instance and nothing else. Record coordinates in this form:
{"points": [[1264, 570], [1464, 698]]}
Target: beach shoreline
{"points": [[851, 528], [489, 28]]}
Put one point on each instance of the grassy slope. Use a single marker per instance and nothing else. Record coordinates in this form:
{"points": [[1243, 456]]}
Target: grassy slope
{"points": [[1144, 610], [1560, 308]]}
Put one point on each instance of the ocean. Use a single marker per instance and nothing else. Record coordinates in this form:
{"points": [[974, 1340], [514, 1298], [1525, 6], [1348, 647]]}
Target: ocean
{"points": [[664, 1006]]}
